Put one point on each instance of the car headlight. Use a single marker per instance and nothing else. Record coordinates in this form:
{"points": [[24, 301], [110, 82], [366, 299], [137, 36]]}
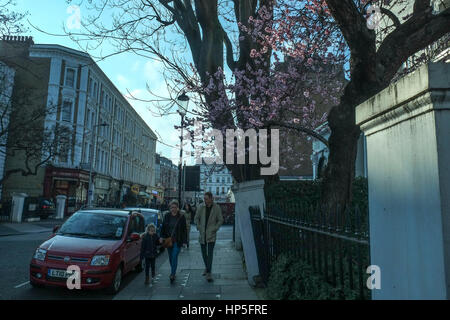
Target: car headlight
{"points": [[40, 254], [100, 260]]}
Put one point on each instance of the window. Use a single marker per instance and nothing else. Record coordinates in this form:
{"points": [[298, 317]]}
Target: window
{"points": [[90, 88], [70, 77], [92, 120], [102, 98], [86, 152], [223, 189], [106, 168], [217, 190], [95, 90], [63, 151], [66, 114], [97, 160], [88, 119]]}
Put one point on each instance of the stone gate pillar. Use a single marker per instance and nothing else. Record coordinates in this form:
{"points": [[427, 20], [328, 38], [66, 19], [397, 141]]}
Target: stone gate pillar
{"points": [[407, 126], [18, 200], [60, 206], [247, 194]]}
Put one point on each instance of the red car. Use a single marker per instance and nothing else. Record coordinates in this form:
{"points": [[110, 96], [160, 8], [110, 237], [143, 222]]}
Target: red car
{"points": [[104, 243]]}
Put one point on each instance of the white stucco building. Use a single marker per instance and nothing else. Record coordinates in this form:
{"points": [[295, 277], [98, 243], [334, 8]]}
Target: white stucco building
{"points": [[108, 134], [216, 179]]}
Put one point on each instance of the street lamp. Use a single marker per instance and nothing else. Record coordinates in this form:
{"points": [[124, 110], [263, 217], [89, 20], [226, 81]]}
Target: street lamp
{"points": [[183, 102], [90, 190]]}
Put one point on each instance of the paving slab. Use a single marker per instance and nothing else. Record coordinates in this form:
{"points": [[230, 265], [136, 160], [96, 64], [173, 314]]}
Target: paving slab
{"points": [[230, 280]]}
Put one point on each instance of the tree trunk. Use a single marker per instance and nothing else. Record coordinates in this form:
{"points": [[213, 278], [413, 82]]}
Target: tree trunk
{"points": [[340, 171]]}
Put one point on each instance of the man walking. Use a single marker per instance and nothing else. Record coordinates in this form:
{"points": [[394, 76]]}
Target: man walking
{"points": [[208, 220]]}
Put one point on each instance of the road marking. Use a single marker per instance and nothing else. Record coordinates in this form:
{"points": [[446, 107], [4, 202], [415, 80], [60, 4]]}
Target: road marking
{"points": [[21, 285]]}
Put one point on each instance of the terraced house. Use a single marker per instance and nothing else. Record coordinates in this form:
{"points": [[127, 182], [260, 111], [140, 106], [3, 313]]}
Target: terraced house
{"points": [[106, 135]]}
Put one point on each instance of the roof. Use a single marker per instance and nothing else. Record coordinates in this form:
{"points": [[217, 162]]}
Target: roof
{"points": [[145, 210], [124, 213]]}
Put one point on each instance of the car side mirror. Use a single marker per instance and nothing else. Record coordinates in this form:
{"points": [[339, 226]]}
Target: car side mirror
{"points": [[56, 228]]}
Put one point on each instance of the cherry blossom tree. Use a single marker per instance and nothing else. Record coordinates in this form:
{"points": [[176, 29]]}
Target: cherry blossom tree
{"points": [[269, 64]]}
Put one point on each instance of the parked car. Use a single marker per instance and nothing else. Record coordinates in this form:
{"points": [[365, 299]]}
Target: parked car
{"points": [[46, 208], [104, 243], [151, 216]]}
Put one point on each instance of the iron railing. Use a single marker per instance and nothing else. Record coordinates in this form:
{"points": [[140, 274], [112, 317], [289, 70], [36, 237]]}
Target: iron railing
{"points": [[335, 243]]}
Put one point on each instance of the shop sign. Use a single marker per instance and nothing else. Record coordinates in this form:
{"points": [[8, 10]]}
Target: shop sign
{"points": [[135, 189]]}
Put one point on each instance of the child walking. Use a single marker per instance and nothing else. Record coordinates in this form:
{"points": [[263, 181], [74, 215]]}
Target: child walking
{"points": [[149, 251]]}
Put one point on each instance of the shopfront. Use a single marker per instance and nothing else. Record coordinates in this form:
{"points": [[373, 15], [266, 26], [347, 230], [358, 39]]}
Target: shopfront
{"points": [[73, 183], [101, 191]]}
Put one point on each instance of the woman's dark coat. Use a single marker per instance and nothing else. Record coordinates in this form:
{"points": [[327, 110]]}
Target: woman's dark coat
{"points": [[180, 233]]}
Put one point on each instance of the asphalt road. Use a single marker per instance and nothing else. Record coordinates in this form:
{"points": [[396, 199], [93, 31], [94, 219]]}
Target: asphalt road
{"points": [[15, 256]]}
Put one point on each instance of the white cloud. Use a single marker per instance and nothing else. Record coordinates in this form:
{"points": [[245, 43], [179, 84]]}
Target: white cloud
{"points": [[122, 82], [153, 72], [135, 66]]}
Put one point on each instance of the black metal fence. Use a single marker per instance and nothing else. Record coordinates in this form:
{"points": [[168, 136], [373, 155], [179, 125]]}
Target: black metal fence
{"points": [[335, 243], [5, 210]]}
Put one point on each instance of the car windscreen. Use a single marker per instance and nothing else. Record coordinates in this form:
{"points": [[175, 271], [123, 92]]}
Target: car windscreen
{"points": [[150, 218], [94, 225]]}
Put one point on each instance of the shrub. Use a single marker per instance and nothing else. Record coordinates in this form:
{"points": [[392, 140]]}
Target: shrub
{"points": [[307, 193], [293, 279]]}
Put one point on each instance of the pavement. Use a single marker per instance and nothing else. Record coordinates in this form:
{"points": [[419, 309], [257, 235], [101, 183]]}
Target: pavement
{"points": [[13, 229], [230, 280]]}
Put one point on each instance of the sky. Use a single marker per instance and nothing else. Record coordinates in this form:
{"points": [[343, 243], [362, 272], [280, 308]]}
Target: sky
{"points": [[129, 72]]}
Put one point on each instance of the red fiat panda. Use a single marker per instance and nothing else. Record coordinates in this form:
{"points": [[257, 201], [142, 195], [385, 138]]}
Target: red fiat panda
{"points": [[104, 243]]}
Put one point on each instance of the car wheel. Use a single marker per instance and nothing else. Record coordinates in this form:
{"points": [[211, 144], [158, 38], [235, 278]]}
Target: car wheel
{"points": [[36, 285], [117, 281]]}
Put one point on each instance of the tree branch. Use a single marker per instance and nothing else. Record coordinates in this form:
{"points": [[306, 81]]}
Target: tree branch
{"points": [[391, 16], [420, 6], [412, 36], [353, 26], [299, 128], [229, 47]]}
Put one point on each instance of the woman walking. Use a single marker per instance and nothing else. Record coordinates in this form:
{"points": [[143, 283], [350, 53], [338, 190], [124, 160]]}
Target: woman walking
{"points": [[174, 227], [188, 213]]}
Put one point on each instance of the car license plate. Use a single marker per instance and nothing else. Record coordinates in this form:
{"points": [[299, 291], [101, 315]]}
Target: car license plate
{"points": [[58, 273]]}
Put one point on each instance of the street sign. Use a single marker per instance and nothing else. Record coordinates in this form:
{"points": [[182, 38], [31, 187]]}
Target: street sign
{"points": [[90, 192], [135, 189]]}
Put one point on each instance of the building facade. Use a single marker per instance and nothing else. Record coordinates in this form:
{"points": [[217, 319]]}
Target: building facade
{"points": [[320, 153], [109, 138], [216, 179], [7, 75], [168, 178]]}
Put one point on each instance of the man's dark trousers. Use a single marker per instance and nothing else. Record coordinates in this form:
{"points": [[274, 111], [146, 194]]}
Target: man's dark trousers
{"points": [[207, 253]]}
